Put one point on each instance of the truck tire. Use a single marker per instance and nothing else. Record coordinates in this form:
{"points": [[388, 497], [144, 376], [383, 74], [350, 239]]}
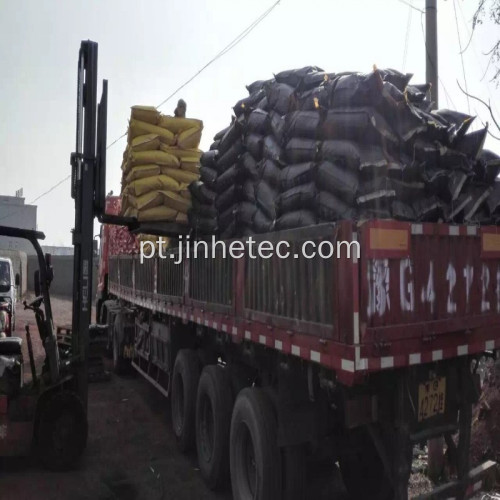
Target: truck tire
{"points": [[183, 404], [362, 469], [293, 464], [255, 459], [214, 404], [61, 434]]}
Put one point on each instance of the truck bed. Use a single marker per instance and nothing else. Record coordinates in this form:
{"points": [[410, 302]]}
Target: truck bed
{"points": [[417, 293]]}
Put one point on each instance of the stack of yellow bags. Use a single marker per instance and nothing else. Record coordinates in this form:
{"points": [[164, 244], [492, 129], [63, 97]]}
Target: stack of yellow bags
{"points": [[160, 161]]}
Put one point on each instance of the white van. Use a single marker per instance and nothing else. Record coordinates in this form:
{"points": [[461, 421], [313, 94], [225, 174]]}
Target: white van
{"points": [[8, 289]]}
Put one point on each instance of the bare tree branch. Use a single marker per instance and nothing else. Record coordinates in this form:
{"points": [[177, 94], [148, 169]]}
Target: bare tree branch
{"points": [[484, 103]]}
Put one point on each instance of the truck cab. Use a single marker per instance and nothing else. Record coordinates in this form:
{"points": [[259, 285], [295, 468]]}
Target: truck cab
{"points": [[8, 296]]}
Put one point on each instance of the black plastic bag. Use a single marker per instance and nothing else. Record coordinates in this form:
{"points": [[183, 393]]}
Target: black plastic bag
{"points": [[489, 163], [271, 149], [280, 97], [227, 218], [263, 104], [209, 158], [300, 150], [418, 93], [202, 224], [297, 198], [456, 181], [428, 209], [277, 126], [226, 199], [208, 176], [229, 157], [376, 193], [338, 181], [270, 172], [265, 197], [479, 196], [232, 134], [245, 212], [253, 143], [226, 179], [459, 123], [201, 192], [314, 80], [472, 143], [229, 232], [407, 191], [331, 208], [294, 77], [247, 104], [248, 166], [398, 79], [344, 153], [258, 85], [247, 191], [314, 99], [493, 200], [402, 211], [295, 175], [258, 122], [436, 181], [219, 135], [215, 145], [374, 213], [261, 223], [357, 90], [454, 212], [300, 218], [302, 124], [203, 209], [452, 159]]}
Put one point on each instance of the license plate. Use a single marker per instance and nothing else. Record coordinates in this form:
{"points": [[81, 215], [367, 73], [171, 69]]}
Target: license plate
{"points": [[431, 398]]}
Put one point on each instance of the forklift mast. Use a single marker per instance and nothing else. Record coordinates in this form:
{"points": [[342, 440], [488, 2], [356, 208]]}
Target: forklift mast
{"points": [[88, 176]]}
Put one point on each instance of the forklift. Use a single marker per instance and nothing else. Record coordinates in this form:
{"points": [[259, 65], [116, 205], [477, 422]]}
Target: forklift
{"points": [[48, 414]]}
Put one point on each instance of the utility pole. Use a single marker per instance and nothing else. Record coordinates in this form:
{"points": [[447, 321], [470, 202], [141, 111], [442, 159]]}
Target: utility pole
{"points": [[431, 66]]}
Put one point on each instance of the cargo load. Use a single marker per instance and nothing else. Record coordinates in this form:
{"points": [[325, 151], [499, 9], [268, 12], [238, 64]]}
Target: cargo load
{"points": [[160, 161], [308, 147]]}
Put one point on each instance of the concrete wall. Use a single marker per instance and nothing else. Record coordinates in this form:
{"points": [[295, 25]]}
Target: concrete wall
{"points": [[20, 265], [14, 213], [63, 275]]}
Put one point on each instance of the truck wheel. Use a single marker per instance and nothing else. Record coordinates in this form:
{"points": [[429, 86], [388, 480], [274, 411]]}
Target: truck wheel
{"points": [[214, 404], [293, 463], [184, 387], [255, 459], [61, 431], [362, 469]]}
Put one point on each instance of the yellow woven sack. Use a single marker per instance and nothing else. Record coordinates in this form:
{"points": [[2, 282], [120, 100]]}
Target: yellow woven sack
{"points": [[148, 114], [156, 157], [182, 153], [189, 138], [176, 201], [130, 212], [181, 218], [137, 128], [178, 125], [184, 192], [191, 165], [149, 200], [179, 175], [146, 142], [157, 213], [142, 171], [156, 183]]}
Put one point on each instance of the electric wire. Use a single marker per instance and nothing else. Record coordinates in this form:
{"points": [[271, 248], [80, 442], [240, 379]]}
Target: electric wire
{"points": [[407, 37], [461, 54]]}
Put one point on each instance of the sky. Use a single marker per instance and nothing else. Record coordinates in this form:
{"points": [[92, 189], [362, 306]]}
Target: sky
{"points": [[147, 49]]}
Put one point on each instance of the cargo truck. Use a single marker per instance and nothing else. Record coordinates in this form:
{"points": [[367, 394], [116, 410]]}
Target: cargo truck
{"points": [[267, 361]]}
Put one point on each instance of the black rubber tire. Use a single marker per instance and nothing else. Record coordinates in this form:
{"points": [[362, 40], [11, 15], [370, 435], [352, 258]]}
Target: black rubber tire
{"points": [[294, 472], [214, 405], [362, 469], [185, 379], [255, 459], [61, 431]]}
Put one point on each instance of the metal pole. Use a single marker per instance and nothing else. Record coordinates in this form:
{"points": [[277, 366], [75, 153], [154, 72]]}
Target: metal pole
{"points": [[431, 46]]}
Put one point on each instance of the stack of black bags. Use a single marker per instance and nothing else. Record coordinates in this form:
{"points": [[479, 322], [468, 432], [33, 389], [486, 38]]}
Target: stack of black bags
{"points": [[308, 146]]}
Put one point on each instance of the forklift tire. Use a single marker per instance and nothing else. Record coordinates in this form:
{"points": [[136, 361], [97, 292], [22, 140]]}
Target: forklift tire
{"points": [[183, 403], [214, 405], [61, 431]]}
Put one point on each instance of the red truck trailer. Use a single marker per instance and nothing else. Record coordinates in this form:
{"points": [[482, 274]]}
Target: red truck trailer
{"points": [[360, 356]]}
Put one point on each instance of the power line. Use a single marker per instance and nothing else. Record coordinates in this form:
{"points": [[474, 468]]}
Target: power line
{"points": [[461, 54], [407, 37], [221, 53]]}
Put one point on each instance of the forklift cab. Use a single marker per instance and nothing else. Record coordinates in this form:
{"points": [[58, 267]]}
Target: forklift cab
{"points": [[44, 411]]}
